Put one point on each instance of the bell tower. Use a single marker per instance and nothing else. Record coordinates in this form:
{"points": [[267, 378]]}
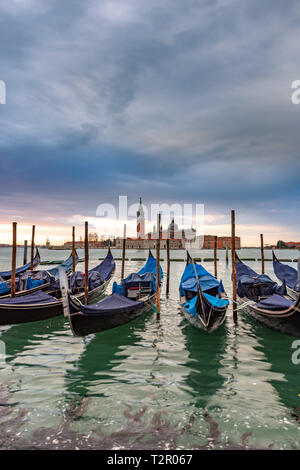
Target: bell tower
{"points": [[140, 221]]}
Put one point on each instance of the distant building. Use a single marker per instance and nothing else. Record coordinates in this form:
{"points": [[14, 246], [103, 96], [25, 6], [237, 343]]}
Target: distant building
{"points": [[179, 238], [281, 244], [48, 244], [222, 243]]}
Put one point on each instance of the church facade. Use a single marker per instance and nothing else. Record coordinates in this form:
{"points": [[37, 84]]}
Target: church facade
{"points": [[179, 239]]}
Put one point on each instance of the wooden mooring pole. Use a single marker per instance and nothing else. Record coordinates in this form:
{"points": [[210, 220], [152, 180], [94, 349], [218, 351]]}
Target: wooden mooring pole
{"points": [[157, 266], [73, 250], [227, 257], [123, 253], [262, 253], [86, 263], [13, 261], [234, 277], [215, 256], [168, 267], [25, 252], [32, 247]]}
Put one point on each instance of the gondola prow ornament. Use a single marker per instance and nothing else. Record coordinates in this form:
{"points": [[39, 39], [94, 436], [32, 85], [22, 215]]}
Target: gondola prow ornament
{"points": [[64, 287]]}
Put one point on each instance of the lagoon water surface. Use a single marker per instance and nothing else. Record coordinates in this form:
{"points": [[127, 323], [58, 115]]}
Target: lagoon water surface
{"points": [[149, 384]]}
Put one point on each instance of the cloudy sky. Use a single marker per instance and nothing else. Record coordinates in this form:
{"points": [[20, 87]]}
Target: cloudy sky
{"points": [[175, 101]]}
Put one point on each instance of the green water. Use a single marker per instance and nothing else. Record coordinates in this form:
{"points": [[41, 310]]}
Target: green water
{"points": [[171, 373]]}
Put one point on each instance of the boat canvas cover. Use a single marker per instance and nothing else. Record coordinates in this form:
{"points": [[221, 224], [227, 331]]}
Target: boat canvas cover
{"points": [[66, 265], [275, 302], [136, 280], [105, 268], [286, 274], [112, 304], [150, 267], [22, 269], [260, 284], [191, 305], [4, 289], [39, 297], [32, 279], [206, 280]]}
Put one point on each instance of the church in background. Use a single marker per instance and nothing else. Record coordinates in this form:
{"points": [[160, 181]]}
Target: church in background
{"points": [[180, 239]]}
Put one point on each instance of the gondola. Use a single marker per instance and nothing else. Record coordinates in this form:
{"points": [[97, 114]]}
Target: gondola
{"points": [[289, 275], [5, 275], [33, 281], [129, 300], [202, 297], [42, 305], [267, 302]]}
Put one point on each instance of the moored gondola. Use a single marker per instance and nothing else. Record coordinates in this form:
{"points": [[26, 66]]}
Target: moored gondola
{"points": [[33, 281], [267, 302], [5, 275], [129, 300], [42, 305], [289, 275], [202, 297]]}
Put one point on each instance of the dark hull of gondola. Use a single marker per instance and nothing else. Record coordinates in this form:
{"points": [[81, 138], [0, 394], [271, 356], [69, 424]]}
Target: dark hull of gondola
{"points": [[285, 321], [84, 325], [216, 317], [17, 314]]}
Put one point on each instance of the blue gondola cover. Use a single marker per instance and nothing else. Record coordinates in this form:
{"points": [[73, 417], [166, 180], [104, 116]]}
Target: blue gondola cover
{"points": [[39, 297], [286, 274], [275, 302], [206, 280], [250, 284], [114, 303]]}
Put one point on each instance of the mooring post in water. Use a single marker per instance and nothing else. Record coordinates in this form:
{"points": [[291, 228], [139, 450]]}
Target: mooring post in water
{"points": [[227, 257], [157, 267], [215, 255], [123, 253], [234, 277], [13, 261], [73, 250], [32, 247], [168, 266], [25, 252], [262, 253], [86, 263]]}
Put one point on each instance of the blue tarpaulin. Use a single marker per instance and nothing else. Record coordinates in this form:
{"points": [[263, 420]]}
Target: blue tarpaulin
{"points": [[105, 268], [97, 275], [216, 301], [67, 265], [150, 267], [206, 280], [275, 302], [286, 274], [3, 288], [191, 306], [7, 274], [252, 285], [145, 276], [114, 303], [39, 297]]}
